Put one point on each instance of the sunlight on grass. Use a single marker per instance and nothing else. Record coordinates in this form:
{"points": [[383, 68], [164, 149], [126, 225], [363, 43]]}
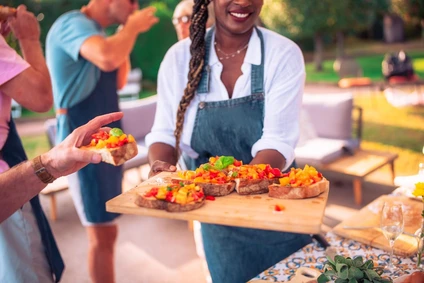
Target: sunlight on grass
{"points": [[419, 65], [398, 130], [35, 145]]}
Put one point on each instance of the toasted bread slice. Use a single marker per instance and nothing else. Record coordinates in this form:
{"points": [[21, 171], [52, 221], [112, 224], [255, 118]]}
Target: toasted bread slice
{"points": [[211, 189], [287, 192], [117, 155], [151, 202], [252, 187]]}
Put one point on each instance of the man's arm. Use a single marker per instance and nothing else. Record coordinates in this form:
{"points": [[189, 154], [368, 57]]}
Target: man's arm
{"points": [[109, 53], [32, 87], [20, 184]]}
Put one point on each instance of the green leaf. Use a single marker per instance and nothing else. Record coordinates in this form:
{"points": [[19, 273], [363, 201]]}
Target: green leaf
{"points": [[223, 162], [116, 132], [358, 261], [235, 174], [330, 260], [323, 278], [168, 189], [355, 272], [353, 280], [367, 281], [369, 264], [339, 259], [340, 280], [344, 272], [181, 184], [340, 266], [207, 167], [373, 274], [349, 261]]}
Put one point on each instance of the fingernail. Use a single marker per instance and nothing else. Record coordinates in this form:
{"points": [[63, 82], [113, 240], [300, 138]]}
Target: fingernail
{"points": [[96, 158], [172, 167]]}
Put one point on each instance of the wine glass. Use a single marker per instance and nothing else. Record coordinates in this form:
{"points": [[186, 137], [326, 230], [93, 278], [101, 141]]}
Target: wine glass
{"points": [[391, 224]]}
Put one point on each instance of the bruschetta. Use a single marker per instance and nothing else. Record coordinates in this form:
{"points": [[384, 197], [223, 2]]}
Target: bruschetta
{"points": [[173, 197], [299, 184], [114, 146]]}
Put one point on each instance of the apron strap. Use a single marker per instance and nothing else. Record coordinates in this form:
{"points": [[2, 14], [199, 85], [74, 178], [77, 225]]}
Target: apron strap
{"points": [[257, 72], [13, 154]]}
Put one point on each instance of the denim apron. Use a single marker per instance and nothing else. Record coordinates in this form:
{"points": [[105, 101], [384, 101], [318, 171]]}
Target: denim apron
{"points": [[13, 153], [98, 182], [231, 127]]}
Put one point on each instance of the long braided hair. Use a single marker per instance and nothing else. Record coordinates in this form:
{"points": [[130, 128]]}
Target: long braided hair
{"points": [[197, 51]]}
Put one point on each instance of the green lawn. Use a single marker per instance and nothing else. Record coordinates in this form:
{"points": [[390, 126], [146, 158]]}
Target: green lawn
{"points": [[35, 145], [399, 130], [371, 66]]}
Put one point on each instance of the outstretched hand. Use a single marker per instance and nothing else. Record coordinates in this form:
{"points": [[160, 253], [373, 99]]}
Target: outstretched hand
{"points": [[66, 158]]}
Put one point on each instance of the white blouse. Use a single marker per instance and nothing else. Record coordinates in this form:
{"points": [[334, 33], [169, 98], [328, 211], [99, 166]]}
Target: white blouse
{"points": [[283, 84]]}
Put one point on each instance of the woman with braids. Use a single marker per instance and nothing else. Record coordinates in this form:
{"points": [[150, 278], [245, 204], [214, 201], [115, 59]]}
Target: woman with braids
{"points": [[242, 97]]}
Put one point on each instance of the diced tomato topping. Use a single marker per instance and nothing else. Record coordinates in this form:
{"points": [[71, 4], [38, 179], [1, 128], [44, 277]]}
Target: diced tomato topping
{"points": [[153, 192], [279, 207], [210, 197], [276, 172], [169, 196], [237, 163]]}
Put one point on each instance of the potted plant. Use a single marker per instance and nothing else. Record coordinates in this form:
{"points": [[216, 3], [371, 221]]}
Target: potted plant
{"points": [[348, 270]]}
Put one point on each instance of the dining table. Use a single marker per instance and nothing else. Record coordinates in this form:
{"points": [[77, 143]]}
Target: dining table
{"points": [[314, 256]]}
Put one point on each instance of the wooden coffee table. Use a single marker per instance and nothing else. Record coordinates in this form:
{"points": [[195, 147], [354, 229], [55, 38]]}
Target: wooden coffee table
{"points": [[360, 165]]}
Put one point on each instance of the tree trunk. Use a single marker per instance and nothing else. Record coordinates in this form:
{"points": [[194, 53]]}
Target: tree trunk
{"points": [[318, 44], [340, 44]]}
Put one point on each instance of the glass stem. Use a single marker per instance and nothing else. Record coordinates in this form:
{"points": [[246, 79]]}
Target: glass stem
{"points": [[392, 243]]}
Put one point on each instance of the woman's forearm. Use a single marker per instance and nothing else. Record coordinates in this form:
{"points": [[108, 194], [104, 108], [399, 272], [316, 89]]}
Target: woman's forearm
{"points": [[271, 157], [163, 152]]}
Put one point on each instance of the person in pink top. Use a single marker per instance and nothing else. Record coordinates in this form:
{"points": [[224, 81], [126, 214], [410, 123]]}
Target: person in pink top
{"points": [[18, 77], [28, 250]]}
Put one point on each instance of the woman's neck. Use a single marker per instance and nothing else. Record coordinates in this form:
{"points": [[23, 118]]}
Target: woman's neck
{"points": [[231, 42]]}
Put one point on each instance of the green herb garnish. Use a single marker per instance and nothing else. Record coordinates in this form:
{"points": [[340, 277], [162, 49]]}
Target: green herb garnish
{"points": [[223, 162]]}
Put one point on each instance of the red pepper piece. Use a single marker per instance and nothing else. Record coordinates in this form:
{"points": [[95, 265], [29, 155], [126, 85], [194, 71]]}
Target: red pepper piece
{"points": [[210, 197]]}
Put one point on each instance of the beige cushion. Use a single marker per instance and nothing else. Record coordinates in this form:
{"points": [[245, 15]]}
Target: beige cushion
{"points": [[330, 114], [307, 130], [319, 151]]}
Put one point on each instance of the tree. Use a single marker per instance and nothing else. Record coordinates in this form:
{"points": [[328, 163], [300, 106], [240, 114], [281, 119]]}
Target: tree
{"points": [[313, 19]]}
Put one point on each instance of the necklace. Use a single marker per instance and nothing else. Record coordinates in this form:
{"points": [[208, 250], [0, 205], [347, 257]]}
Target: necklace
{"points": [[231, 55]]}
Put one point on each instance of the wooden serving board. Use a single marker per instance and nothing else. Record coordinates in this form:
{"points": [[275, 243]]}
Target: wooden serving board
{"points": [[256, 211], [370, 216]]}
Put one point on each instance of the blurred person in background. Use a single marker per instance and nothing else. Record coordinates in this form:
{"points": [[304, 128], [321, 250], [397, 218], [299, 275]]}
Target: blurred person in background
{"points": [[87, 68], [28, 250], [182, 18]]}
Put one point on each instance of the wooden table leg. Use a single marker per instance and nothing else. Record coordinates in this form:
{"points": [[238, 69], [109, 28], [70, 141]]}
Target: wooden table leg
{"points": [[392, 168], [357, 190], [53, 211]]}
